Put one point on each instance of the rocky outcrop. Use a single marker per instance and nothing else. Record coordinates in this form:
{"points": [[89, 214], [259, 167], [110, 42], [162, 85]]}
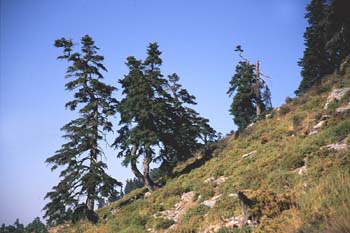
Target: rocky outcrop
{"points": [[336, 95], [180, 208], [212, 201], [343, 109], [317, 127]]}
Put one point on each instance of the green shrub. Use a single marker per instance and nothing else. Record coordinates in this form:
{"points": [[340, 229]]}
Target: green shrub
{"points": [[297, 120], [284, 109], [224, 230], [164, 224], [206, 191]]}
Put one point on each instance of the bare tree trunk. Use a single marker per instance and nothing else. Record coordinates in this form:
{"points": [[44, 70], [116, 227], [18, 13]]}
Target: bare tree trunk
{"points": [[133, 163]]}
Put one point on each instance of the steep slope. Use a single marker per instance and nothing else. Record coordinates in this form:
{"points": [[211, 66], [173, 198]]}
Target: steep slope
{"points": [[286, 173]]}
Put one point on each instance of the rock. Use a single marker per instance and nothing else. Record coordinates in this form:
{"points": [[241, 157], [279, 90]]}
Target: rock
{"points": [[148, 194], [325, 117], [220, 180], [212, 228], [336, 94], [251, 125], [317, 127], [235, 221], [233, 195], [114, 211], [180, 208], [210, 179], [343, 109], [211, 202], [301, 170], [338, 147], [249, 154], [217, 181]]}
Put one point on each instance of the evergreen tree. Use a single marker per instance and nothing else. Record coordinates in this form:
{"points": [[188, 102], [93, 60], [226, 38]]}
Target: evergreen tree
{"points": [[337, 27], [248, 90], [316, 62], [83, 171], [132, 184], [17, 227], [153, 118], [36, 226]]}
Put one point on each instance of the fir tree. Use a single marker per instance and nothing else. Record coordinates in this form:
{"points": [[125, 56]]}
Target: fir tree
{"points": [[140, 111], [80, 158], [316, 62], [153, 118], [249, 91], [337, 25]]}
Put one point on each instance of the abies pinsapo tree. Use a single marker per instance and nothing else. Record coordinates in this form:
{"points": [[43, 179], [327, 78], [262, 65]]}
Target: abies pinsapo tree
{"points": [[154, 122], [251, 93], [82, 171], [316, 62], [327, 41]]}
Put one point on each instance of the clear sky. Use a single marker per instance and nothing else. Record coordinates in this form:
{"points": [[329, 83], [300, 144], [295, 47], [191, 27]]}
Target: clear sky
{"points": [[197, 38]]}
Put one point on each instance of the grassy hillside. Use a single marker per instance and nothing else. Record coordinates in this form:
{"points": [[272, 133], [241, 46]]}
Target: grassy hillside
{"points": [[292, 169]]}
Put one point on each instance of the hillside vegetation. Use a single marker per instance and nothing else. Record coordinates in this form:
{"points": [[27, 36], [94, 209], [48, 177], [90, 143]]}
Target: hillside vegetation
{"points": [[286, 173]]}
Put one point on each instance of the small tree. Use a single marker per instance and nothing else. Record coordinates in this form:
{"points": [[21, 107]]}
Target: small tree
{"points": [[132, 184], [250, 93], [36, 226], [83, 171]]}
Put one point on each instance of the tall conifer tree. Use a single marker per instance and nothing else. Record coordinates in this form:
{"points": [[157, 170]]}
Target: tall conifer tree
{"points": [[248, 90], [80, 158], [316, 62], [337, 27]]}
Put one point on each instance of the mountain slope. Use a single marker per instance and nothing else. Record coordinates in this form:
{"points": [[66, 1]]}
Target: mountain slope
{"points": [[286, 173]]}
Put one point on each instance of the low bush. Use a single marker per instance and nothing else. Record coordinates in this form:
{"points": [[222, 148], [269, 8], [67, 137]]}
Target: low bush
{"points": [[164, 224]]}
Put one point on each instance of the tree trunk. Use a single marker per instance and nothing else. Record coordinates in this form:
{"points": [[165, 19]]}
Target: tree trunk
{"points": [[133, 163], [150, 185], [90, 202]]}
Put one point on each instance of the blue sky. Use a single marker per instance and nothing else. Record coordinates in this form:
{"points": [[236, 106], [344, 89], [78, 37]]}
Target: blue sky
{"points": [[197, 38]]}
